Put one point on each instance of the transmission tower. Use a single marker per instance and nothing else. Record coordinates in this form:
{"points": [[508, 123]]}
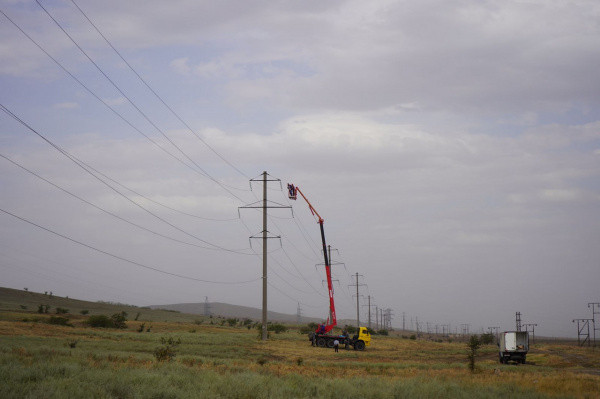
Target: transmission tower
{"points": [[207, 311], [265, 236], [299, 314], [583, 331], [595, 312], [518, 320]]}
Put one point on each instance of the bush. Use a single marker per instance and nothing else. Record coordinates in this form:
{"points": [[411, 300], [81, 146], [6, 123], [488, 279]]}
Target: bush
{"points": [[84, 312], [487, 339], [413, 337], [350, 329], [62, 311], [277, 328], [167, 351], [232, 322], [473, 345], [383, 332], [117, 320], [59, 321], [164, 353]]}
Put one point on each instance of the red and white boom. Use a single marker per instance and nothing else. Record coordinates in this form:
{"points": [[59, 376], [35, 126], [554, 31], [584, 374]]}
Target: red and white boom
{"points": [[292, 195]]}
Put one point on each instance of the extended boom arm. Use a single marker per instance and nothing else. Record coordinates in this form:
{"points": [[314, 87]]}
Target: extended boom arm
{"points": [[333, 321]]}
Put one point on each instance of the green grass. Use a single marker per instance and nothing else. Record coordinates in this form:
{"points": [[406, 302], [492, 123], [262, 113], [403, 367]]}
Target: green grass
{"points": [[36, 361]]}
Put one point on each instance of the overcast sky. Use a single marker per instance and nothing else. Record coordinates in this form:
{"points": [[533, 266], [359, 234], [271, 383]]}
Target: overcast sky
{"points": [[452, 147]]}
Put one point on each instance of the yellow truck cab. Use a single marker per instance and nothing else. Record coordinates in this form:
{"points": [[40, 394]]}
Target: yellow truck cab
{"points": [[362, 339]]}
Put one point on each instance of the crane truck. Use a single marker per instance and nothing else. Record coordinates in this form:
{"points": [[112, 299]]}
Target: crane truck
{"points": [[321, 336]]}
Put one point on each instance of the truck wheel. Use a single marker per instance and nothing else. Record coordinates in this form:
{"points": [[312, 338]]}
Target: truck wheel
{"points": [[359, 345], [501, 359], [321, 342], [330, 343]]}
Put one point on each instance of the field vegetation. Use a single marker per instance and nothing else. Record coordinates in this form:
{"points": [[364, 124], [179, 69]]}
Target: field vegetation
{"points": [[195, 359]]}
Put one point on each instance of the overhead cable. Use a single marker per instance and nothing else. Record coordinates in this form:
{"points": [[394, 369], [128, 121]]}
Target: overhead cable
{"points": [[122, 258], [155, 93]]}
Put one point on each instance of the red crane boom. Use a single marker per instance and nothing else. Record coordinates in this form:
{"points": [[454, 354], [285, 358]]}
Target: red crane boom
{"points": [[292, 194]]}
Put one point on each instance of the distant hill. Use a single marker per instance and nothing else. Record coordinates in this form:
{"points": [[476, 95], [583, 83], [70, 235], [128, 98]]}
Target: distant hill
{"points": [[227, 310], [22, 301]]}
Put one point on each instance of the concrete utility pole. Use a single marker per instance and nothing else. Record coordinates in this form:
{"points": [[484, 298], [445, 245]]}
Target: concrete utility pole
{"points": [[377, 318], [357, 300], [265, 237], [403, 321]]}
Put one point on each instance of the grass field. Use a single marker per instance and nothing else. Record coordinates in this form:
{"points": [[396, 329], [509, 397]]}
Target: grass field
{"points": [[40, 360]]}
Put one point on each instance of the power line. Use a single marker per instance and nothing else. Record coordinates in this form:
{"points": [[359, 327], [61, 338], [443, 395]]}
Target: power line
{"points": [[100, 208], [114, 111], [122, 258], [81, 165], [156, 94], [143, 114]]}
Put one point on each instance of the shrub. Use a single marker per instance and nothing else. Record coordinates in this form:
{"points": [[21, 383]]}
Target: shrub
{"points": [[413, 337], [350, 329], [43, 308], [62, 311], [60, 321], [383, 332], [167, 351], [72, 343], [23, 306], [100, 320], [84, 312], [232, 322], [117, 320], [170, 341], [487, 339], [277, 328], [141, 327], [473, 345], [164, 353]]}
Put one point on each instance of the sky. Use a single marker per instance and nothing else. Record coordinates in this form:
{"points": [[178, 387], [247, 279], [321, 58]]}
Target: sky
{"points": [[451, 147]]}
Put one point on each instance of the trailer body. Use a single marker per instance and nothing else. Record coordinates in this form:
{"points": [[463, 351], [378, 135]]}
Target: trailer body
{"points": [[513, 345]]}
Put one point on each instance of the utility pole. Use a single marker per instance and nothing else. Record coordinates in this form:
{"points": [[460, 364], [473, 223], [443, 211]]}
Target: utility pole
{"points": [[357, 300], [533, 326], [377, 318], [369, 306], [403, 321], [299, 314], [265, 237], [595, 312], [518, 320]]}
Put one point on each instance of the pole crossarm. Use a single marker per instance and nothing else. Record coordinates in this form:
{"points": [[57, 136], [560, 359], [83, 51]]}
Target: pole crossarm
{"points": [[264, 204]]}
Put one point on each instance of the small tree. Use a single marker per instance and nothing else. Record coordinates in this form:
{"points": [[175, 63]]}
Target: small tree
{"points": [[473, 345]]}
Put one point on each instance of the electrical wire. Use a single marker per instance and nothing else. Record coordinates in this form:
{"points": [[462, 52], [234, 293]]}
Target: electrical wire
{"points": [[82, 166], [113, 110], [125, 259], [155, 93], [100, 208], [142, 113]]}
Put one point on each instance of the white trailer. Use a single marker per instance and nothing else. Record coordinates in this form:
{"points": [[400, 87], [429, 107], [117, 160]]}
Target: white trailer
{"points": [[513, 345]]}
